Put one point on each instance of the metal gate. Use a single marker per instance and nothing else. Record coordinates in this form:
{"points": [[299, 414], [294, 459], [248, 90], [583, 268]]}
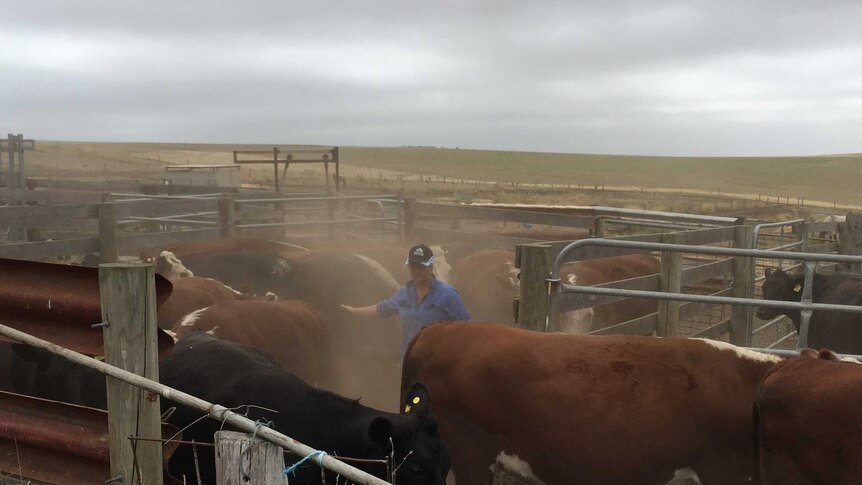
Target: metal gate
{"points": [[558, 289]]}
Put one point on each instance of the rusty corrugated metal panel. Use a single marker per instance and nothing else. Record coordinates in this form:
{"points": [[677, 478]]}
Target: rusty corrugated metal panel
{"points": [[57, 443], [59, 303]]}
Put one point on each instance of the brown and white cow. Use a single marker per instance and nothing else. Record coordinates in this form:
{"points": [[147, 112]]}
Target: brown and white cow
{"points": [[169, 265], [391, 255], [290, 330], [194, 293], [809, 421], [584, 409], [488, 281], [605, 270], [165, 263], [221, 245], [365, 352]]}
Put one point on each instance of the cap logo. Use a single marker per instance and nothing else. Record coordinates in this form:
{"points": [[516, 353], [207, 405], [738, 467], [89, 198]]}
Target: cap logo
{"points": [[418, 252]]}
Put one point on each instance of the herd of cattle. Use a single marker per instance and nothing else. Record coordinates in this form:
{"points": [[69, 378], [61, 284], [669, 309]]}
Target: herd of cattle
{"points": [[259, 324]]}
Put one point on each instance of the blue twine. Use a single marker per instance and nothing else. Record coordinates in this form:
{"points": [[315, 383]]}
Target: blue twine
{"points": [[318, 458]]}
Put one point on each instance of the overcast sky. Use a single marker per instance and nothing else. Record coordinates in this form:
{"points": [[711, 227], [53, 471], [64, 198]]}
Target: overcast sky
{"points": [[731, 77]]}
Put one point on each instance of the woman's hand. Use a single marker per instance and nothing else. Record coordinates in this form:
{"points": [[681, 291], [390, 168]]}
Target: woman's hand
{"points": [[366, 311], [349, 309]]}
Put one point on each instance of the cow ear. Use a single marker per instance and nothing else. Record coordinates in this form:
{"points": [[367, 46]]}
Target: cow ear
{"points": [[417, 400], [381, 429], [767, 272]]}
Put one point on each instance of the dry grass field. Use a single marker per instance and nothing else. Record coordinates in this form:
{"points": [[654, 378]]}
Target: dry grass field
{"points": [[651, 181]]}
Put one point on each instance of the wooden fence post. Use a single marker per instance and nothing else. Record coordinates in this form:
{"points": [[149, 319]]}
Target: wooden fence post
{"points": [[409, 219], [741, 317], [399, 214], [226, 217], [128, 300], [335, 158], [330, 216], [241, 459], [535, 264], [670, 281], [22, 169], [599, 227], [12, 176], [108, 249], [275, 169]]}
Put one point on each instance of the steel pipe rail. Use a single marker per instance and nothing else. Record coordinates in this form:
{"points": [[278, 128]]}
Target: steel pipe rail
{"points": [[167, 221], [142, 197], [792, 222], [718, 300], [806, 306], [318, 199], [314, 223], [648, 223], [666, 216], [688, 248]]}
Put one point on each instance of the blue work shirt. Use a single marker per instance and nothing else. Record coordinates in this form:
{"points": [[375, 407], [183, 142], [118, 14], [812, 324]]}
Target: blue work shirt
{"points": [[443, 302]]}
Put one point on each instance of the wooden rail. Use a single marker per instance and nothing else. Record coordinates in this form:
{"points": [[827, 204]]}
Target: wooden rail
{"points": [[103, 218]]}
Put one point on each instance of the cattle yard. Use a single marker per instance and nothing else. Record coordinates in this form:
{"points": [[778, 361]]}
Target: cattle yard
{"points": [[710, 266]]}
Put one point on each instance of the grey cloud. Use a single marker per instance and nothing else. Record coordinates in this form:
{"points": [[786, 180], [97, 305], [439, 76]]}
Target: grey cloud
{"points": [[661, 77]]}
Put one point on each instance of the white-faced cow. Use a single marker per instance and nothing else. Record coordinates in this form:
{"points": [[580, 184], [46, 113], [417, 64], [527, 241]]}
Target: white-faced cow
{"points": [[592, 272], [585, 409], [809, 422], [488, 282], [838, 331], [364, 353], [166, 264], [194, 293], [254, 271], [831, 218], [390, 255], [236, 375]]}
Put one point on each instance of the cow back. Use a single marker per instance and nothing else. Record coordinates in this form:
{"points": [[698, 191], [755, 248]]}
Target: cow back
{"points": [[291, 331], [809, 422], [652, 406]]}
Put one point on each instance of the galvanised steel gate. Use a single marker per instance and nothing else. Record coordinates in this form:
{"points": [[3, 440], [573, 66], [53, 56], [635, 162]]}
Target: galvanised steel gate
{"points": [[558, 289]]}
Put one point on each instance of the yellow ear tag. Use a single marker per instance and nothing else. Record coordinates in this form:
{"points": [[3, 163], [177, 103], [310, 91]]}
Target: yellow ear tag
{"points": [[416, 400], [407, 409], [100, 358], [797, 288]]}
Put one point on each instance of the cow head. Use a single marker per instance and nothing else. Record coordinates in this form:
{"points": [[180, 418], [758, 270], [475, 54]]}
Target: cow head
{"points": [[420, 455], [780, 286], [442, 268], [169, 265], [509, 280]]}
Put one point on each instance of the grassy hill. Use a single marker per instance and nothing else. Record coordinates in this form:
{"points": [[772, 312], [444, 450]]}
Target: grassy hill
{"points": [[831, 177], [825, 178]]}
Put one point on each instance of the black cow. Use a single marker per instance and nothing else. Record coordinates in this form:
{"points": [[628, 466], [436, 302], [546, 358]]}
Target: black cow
{"points": [[235, 375], [40, 373], [839, 331]]}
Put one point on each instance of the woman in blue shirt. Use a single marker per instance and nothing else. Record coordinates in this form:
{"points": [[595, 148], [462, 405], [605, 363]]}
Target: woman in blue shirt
{"points": [[421, 301]]}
